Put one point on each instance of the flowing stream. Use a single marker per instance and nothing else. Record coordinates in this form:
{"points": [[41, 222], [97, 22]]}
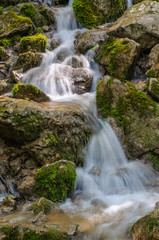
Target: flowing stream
{"points": [[111, 193], [129, 3]]}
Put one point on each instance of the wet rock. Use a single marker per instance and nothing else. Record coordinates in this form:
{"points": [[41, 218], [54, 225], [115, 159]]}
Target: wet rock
{"points": [[17, 25], [153, 87], [5, 86], [23, 90], [63, 53], [94, 171], [75, 61], [55, 181], [89, 39], [54, 43], [16, 76], [134, 113], [15, 166], [39, 218], [118, 57], [157, 205], [26, 61], [139, 23], [8, 205], [45, 28], [98, 203], [25, 187], [23, 232], [43, 205], [146, 227]]}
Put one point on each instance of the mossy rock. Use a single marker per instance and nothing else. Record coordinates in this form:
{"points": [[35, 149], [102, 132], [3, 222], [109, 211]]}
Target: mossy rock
{"points": [[30, 11], [55, 181], [119, 56], [134, 112], [28, 60], [92, 13], [153, 72], [24, 233], [28, 91], [1, 10], [48, 14], [12, 25], [153, 87], [36, 43], [146, 228], [42, 205], [3, 54]]}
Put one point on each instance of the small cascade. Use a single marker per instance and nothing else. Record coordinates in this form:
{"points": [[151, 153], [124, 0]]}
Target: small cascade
{"points": [[129, 3]]}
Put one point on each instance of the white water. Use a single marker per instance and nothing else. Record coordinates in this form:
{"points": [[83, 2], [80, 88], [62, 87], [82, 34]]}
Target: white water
{"points": [[129, 3], [110, 191]]}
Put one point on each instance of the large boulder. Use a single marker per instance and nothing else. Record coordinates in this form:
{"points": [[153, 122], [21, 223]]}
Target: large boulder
{"points": [[146, 228], [12, 24], [87, 40], [118, 57], [153, 62], [28, 60], [95, 12], [55, 181], [134, 113], [140, 23], [42, 133]]}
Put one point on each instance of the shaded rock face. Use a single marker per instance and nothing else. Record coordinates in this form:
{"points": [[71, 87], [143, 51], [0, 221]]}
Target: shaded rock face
{"points": [[89, 39], [153, 63], [146, 228], [140, 23], [118, 57], [134, 113]]}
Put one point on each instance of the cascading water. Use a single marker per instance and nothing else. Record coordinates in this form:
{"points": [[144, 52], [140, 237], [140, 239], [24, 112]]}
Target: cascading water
{"points": [[110, 191], [129, 3]]}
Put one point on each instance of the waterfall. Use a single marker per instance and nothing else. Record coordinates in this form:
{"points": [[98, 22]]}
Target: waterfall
{"points": [[129, 3], [110, 192]]}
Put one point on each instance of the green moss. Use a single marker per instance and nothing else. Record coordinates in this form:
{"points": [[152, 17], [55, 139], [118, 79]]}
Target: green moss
{"points": [[30, 11], [110, 49], [36, 43], [39, 30], [134, 100], [147, 227], [152, 73], [116, 10], [1, 10], [87, 13], [55, 181], [50, 235], [51, 139], [10, 233], [154, 159], [8, 42], [3, 54], [40, 206], [18, 88]]}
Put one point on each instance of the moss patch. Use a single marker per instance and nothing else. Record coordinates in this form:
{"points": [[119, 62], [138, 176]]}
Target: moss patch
{"points": [[30, 11], [36, 43], [55, 181]]}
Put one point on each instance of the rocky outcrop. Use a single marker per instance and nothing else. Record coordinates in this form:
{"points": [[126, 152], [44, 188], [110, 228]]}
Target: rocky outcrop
{"points": [[140, 23], [93, 13], [134, 113], [89, 39], [55, 181], [118, 57], [146, 228]]}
